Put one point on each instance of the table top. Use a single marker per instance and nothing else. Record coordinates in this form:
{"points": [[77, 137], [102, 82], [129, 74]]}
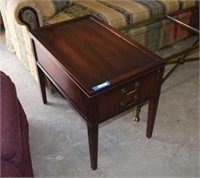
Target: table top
{"points": [[93, 54]]}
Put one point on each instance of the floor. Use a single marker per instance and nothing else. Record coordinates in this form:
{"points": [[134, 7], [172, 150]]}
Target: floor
{"points": [[58, 135]]}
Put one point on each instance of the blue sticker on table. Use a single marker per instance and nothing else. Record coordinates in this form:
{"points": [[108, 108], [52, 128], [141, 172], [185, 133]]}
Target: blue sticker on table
{"points": [[100, 86]]}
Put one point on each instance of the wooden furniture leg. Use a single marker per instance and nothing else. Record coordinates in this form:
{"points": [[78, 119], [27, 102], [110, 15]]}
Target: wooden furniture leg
{"points": [[153, 104], [93, 145], [41, 76]]}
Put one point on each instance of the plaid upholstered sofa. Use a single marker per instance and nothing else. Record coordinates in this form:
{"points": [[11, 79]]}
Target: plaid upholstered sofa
{"points": [[142, 20]]}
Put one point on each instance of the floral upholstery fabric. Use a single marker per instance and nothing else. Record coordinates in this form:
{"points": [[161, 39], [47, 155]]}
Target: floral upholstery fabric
{"points": [[60, 4], [51, 7]]}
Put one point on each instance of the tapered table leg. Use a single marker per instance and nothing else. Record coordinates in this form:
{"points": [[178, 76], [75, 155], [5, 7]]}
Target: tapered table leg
{"points": [[93, 145], [41, 76], [153, 104]]}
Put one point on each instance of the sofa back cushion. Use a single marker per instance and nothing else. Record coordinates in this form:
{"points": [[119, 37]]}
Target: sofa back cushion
{"points": [[51, 7], [184, 4]]}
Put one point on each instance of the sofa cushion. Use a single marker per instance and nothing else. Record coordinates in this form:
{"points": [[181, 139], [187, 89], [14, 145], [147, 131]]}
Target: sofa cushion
{"points": [[59, 17], [184, 4], [119, 14], [51, 7], [98, 9], [141, 10]]}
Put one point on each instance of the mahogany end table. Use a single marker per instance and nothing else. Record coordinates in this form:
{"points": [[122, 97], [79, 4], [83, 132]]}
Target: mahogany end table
{"points": [[99, 70]]}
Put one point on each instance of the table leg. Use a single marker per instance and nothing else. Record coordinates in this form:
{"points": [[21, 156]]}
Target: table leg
{"points": [[41, 76], [153, 104], [93, 145]]}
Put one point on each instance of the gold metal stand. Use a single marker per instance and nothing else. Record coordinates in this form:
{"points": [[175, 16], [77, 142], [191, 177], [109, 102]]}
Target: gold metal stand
{"points": [[137, 114], [181, 57], [177, 59]]}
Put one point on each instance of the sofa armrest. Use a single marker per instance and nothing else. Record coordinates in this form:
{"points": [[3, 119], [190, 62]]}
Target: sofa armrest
{"points": [[25, 12], [33, 13], [29, 17], [10, 121], [8, 169], [14, 147]]}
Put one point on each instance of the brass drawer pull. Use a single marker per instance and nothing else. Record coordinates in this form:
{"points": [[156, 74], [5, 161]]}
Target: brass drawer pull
{"points": [[125, 92], [131, 92], [136, 97], [124, 104], [137, 84]]}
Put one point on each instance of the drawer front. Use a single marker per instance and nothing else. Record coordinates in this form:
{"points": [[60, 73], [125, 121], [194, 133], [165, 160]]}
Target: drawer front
{"points": [[62, 80], [127, 96]]}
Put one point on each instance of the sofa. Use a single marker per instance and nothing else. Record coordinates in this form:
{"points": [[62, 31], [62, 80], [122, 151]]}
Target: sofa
{"points": [[15, 153], [142, 20]]}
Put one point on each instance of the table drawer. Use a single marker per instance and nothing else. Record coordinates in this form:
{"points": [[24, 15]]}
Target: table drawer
{"points": [[127, 96]]}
